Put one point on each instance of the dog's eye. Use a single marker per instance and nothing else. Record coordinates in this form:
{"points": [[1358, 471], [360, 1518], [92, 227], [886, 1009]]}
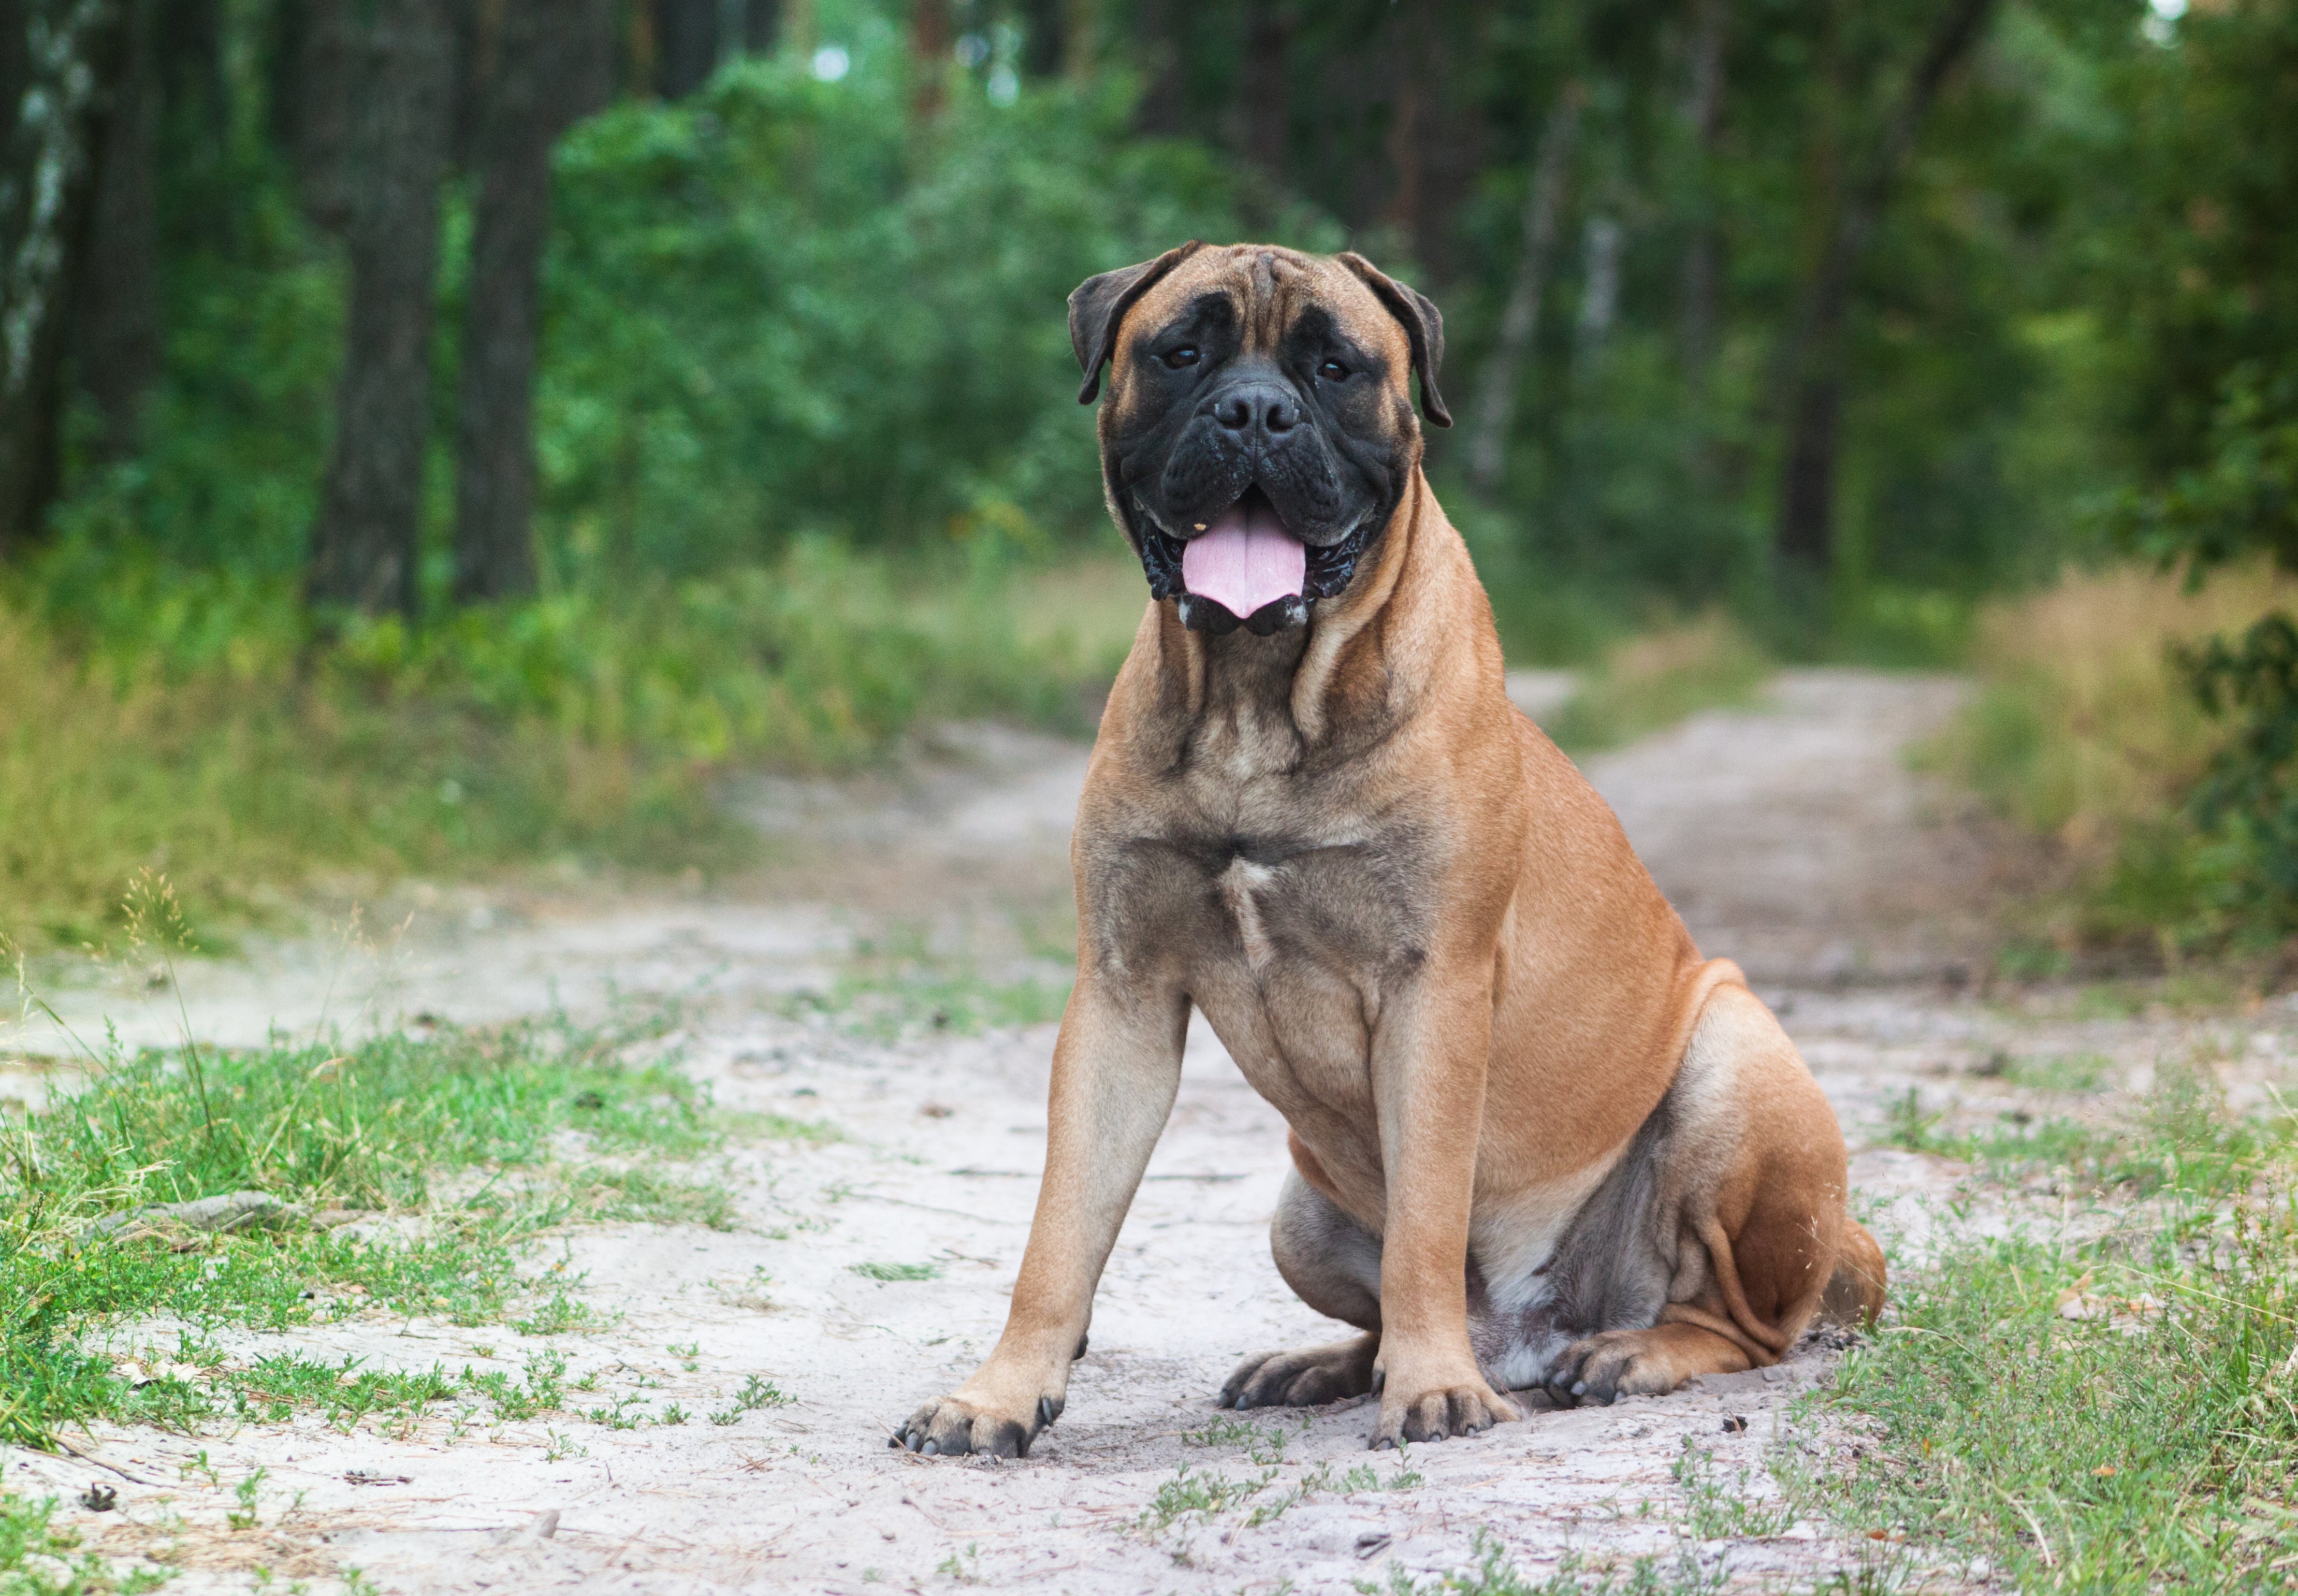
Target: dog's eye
{"points": [[1333, 371], [1179, 359]]}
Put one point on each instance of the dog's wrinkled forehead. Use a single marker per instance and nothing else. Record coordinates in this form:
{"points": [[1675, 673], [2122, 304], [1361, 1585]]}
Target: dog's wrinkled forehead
{"points": [[1268, 290]]}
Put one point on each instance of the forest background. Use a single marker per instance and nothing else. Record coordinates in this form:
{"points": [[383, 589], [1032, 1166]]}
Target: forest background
{"points": [[445, 435]]}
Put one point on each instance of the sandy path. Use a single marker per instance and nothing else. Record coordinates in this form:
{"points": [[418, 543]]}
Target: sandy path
{"points": [[1794, 836]]}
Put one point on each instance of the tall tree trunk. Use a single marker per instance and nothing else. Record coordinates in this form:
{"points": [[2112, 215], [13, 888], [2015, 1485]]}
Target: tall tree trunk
{"points": [[931, 41], [797, 30], [314, 100], [116, 341], [548, 68], [1266, 119], [363, 549], [686, 46], [1804, 532], [1703, 110], [59, 60], [1160, 28], [762, 26], [1081, 25], [1543, 207], [1410, 28]]}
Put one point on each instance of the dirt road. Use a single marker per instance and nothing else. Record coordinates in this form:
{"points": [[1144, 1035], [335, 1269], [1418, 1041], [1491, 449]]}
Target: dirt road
{"points": [[1792, 834]]}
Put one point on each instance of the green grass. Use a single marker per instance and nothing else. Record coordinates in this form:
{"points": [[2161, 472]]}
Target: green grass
{"points": [[2179, 1141], [2108, 1415], [41, 1558], [1655, 679], [482, 1141], [1495, 1574]]}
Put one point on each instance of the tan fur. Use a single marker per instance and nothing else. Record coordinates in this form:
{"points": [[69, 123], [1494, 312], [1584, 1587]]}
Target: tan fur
{"points": [[1480, 1082]]}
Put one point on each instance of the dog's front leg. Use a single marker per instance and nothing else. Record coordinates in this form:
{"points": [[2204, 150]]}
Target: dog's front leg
{"points": [[1429, 1055], [1117, 1065]]}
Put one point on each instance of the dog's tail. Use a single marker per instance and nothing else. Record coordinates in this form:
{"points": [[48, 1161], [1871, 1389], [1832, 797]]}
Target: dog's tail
{"points": [[1854, 1292]]}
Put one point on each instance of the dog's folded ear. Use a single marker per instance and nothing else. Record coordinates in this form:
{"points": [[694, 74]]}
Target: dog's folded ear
{"points": [[1423, 323], [1099, 303]]}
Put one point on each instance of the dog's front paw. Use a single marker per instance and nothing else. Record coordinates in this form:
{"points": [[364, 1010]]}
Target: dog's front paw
{"points": [[951, 1427], [1462, 1406], [1304, 1377]]}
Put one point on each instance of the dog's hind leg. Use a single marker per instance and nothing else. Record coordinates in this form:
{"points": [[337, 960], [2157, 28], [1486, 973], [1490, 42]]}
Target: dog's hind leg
{"points": [[1751, 1182], [1333, 1263]]}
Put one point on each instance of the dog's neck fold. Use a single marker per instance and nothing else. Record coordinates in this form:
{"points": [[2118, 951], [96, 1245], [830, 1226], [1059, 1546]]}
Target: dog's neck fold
{"points": [[1289, 678]]}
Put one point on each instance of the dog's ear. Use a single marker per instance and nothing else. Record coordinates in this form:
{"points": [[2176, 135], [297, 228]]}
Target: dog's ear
{"points": [[1098, 304], [1423, 323]]}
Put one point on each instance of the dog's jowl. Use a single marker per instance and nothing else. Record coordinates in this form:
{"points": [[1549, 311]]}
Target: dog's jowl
{"points": [[1536, 1138]]}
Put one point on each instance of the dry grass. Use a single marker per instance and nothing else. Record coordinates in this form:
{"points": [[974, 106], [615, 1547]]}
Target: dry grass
{"points": [[2085, 735]]}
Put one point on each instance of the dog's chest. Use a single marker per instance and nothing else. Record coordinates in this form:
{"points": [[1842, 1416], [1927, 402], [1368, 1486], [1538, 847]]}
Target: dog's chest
{"points": [[1289, 938]]}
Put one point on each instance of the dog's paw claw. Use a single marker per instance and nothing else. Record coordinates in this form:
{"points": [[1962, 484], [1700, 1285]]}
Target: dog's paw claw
{"points": [[954, 1427]]}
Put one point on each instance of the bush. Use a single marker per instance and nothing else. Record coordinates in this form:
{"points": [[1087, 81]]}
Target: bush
{"points": [[2086, 731]]}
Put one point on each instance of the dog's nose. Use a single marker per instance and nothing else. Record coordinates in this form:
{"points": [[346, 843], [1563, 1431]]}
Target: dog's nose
{"points": [[1266, 407]]}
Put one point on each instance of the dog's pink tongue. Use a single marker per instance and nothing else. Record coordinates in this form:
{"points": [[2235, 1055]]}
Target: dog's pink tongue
{"points": [[1242, 562]]}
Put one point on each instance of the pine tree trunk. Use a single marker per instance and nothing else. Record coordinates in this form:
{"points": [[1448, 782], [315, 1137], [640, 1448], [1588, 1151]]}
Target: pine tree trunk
{"points": [[1543, 208], [59, 60], [116, 341], [548, 71], [1804, 535], [364, 547]]}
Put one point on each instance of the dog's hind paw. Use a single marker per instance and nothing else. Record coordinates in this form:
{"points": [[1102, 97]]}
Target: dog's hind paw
{"points": [[951, 1427], [1304, 1377], [1617, 1363]]}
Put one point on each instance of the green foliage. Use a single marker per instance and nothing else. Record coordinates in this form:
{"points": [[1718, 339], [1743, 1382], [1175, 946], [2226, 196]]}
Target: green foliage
{"points": [[775, 308], [2248, 802]]}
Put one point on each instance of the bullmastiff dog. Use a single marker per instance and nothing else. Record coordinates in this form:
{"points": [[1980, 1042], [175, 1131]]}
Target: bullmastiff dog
{"points": [[1537, 1140]]}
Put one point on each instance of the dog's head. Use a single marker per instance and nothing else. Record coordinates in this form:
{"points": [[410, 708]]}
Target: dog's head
{"points": [[1259, 432]]}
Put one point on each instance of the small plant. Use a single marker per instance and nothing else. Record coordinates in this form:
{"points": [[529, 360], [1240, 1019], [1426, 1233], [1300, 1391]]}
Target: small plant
{"points": [[562, 1447], [618, 1416], [896, 1271], [672, 1413], [757, 1393], [243, 1517], [557, 1317]]}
